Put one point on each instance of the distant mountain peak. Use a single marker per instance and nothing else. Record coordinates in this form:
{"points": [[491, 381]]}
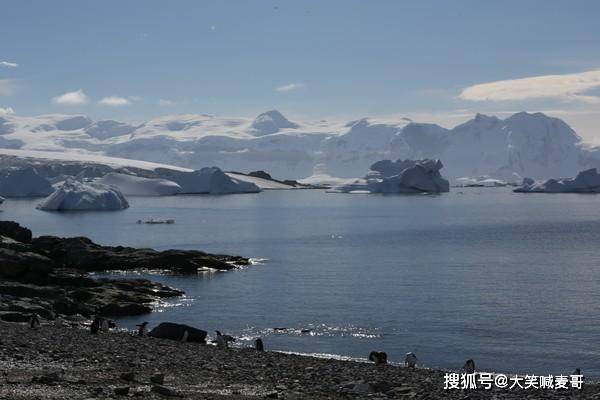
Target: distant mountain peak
{"points": [[271, 121]]}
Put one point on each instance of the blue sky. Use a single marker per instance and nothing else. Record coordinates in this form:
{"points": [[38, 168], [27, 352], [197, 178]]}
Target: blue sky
{"points": [[311, 58]]}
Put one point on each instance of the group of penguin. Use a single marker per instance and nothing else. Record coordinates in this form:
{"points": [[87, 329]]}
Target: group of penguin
{"points": [[222, 341], [410, 360]]}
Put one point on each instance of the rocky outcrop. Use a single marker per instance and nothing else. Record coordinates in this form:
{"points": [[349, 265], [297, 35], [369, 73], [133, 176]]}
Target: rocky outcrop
{"points": [[49, 275]]}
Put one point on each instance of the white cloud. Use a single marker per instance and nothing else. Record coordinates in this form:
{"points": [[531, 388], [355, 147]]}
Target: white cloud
{"points": [[7, 87], [290, 87], [6, 111], [567, 87], [165, 103], [114, 101], [8, 64], [71, 98]]}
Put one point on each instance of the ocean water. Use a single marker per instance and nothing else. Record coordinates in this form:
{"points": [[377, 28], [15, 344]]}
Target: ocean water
{"points": [[510, 280]]}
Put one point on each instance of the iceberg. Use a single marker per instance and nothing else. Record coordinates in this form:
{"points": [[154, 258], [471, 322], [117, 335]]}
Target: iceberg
{"points": [[408, 176], [131, 185], [84, 196], [482, 181], [24, 182], [587, 181], [210, 180]]}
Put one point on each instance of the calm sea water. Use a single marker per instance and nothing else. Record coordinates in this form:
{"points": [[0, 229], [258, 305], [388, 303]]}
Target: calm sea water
{"points": [[511, 280]]}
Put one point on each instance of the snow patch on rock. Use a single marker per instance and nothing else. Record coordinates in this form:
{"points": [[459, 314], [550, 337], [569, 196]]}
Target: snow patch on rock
{"points": [[271, 122]]}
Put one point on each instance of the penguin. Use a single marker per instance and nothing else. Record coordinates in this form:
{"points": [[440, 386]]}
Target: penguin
{"points": [[410, 360], [34, 321], [95, 327], [258, 345], [378, 357], [184, 338], [142, 329], [223, 340], [104, 325], [469, 366]]}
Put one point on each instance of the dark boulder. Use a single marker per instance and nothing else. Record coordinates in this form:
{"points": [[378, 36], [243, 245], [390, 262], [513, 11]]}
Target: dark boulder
{"points": [[15, 231], [24, 265], [169, 330]]}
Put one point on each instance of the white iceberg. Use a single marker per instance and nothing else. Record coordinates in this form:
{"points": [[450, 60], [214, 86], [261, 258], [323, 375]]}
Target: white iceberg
{"points": [[24, 182], [210, 180], [84, 196], [408, 176], [481, 181], [131, 185], [587, 181]]}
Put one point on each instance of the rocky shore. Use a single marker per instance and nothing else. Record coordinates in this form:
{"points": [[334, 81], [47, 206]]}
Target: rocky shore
{"points": [[50, 276], [64, 361]]}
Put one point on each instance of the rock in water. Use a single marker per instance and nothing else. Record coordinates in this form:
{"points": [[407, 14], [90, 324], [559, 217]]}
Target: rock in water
{"points": [[169, 330], [131, 185], [83, 196]]}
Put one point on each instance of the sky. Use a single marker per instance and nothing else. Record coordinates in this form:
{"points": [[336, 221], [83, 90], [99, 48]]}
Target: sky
{"points": [[434, 61]]}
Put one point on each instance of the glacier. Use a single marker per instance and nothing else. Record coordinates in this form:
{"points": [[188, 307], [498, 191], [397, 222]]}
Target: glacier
{"points": [[524, 144]]}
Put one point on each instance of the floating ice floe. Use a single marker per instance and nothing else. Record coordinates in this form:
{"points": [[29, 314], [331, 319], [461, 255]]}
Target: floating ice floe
{"points": [[131, 185], [587, 181], [84, 196], [408, 176]]}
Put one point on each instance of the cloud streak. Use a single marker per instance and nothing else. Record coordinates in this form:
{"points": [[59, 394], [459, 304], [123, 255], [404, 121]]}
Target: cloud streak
{"points": [[75, 98], [567, 87], [114, 101], [290, 87], [8, 64]]}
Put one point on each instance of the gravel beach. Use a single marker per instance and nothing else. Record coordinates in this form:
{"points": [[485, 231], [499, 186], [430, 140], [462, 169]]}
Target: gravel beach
{"points": [[64, 361]]}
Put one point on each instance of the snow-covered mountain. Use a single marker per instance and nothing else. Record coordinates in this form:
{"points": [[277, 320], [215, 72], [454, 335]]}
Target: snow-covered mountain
{"points": [[522, 145]]}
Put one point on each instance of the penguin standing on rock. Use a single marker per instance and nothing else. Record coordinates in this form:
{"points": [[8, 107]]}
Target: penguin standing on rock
{"points": [[223, 340], [142, 329], [258, 345], [469, 366], [34, 321], [95, 327], [410, 360]]}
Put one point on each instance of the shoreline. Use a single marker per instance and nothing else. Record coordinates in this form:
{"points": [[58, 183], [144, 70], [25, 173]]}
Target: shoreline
{"points": [[64, 361]]}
